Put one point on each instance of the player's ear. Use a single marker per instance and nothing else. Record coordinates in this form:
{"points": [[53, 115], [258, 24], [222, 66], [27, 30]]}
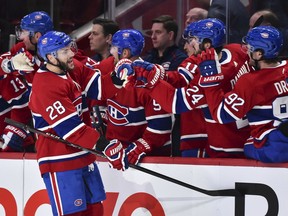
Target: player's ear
{"points": [[171, 35], [109, 38], [126, 53], [207, 45], [37, 35], [51, 58], [258, 54]]}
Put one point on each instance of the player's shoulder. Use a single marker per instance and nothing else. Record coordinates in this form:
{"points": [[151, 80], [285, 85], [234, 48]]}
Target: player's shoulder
{"points": [[17, 47], [44, 78], [233, 52]]}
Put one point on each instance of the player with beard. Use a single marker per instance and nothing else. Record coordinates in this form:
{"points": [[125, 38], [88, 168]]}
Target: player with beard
{"points": [[71, 175]]}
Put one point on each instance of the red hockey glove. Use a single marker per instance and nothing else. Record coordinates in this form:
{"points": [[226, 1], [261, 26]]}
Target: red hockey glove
{"points": [[13, 138], [116, 155], [137, 150], [210, 69], [147, 74]]}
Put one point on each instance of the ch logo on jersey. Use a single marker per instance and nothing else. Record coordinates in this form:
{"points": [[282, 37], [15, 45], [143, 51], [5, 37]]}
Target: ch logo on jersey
{"points": [[117, 113], [78, 105]]}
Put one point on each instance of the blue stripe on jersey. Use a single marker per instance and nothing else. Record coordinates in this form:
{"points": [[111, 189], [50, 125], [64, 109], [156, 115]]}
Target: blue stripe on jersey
{"points": [[121, 115], [161, 123], [258, 114], [39, 122], [136, 116], [20, 100], [93, 88], [84, 102], [4, 107], [67, 125], [207, 113], [225, 115], [181, 103]]}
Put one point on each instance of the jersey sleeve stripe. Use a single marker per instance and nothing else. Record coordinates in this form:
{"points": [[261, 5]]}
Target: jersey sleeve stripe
{"points": [[73, 130], [93, 84]]}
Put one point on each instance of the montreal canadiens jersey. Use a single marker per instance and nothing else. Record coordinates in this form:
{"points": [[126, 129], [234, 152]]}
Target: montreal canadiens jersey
{"points": [[223, 139], [14, 91], [260, 95], [133, 114], [56, 105]]}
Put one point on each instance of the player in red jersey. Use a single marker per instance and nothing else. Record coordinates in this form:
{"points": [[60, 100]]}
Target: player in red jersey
{"points": [[224, 140], [14, 87], [71, 175], [261, 95], [134, 117]]}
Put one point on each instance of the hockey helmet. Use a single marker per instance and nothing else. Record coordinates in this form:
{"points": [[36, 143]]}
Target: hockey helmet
{"points": [[265, 38], [53, 41], [38, 21], [211, 28], [129, 39]]}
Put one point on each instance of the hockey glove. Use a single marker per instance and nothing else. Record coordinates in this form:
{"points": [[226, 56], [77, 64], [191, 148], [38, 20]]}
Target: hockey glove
{"points": [[137, 150], [123, 70], [13, 138], [22, 62], [114, 152], [210, 69], [147, 74]]}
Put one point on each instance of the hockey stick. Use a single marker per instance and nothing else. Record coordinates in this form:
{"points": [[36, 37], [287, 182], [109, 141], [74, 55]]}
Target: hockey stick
{"points": [[225, 192]]}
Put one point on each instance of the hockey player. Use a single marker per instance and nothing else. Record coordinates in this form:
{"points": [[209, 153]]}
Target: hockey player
{"points": [[134, 118], [262, 95], [15, 88], [224, 140], [71, 176], [194, 139]]}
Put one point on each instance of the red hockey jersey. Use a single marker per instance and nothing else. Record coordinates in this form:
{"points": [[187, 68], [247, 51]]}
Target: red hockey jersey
{"points": [[224, 140], [56, 105], [261, 95]]}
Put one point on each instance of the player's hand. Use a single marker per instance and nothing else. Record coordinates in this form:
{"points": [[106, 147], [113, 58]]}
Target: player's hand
{"points": [[210, 68], [13, 138], [123, 70], [22, 62], [147, 74], [116, 155], [137, 150]]}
